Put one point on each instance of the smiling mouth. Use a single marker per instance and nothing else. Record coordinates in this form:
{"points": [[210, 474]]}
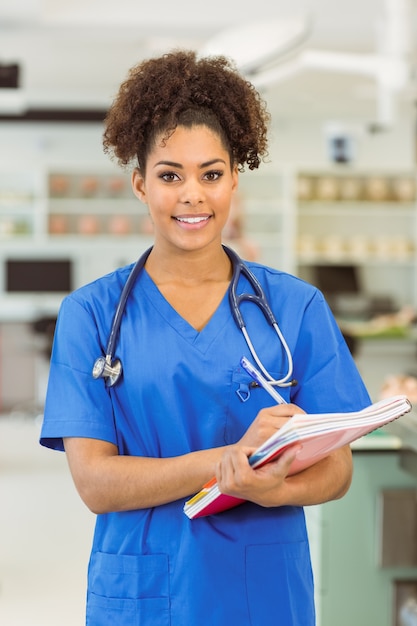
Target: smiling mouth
{"points": [[192, 220]]}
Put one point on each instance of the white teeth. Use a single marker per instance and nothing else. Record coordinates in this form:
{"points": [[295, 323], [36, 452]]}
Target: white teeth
{"points": [[192, 220]]}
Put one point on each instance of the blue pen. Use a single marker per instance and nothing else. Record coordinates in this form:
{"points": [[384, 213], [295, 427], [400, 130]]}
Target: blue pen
{"points": [[261, 380]]}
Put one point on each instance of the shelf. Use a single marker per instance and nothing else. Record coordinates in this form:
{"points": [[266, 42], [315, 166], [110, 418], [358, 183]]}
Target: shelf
{"points": [[355, 186], [393, 262], [358, 209], [364, 219], [95, 205]]}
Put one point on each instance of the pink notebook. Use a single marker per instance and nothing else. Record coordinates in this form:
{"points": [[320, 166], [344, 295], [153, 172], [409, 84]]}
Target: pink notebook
{"points": [[319, 434]]}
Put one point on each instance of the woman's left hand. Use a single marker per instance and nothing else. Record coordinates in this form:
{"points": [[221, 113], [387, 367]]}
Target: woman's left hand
{"points": [[236, 477], [272, 484]]}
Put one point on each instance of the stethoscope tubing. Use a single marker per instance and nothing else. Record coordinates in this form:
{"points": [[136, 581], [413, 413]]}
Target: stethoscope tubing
{"points": [[121, 307], [110, 368], [258, 298]]}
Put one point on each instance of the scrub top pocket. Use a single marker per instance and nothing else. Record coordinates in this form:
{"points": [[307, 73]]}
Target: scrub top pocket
{"points": [[281, 575], [128, 590], [245, 402]]}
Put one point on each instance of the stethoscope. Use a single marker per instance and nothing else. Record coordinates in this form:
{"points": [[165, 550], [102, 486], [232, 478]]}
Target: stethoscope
{"points": [[110, 368]]}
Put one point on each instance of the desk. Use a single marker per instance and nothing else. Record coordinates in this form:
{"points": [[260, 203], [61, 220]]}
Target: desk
{"points": [[26, 309], [23, 368]]}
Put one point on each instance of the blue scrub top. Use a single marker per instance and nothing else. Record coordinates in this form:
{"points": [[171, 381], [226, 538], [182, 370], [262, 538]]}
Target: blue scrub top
{"points": [[182, 391]]}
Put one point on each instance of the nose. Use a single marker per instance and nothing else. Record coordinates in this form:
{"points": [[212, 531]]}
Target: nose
{"points": [[192, 192]]}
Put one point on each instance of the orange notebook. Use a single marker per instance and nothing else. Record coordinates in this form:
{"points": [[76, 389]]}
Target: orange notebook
{"points": [[319, 434]]}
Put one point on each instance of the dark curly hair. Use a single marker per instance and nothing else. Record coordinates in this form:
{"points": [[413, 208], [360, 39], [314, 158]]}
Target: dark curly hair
{"points": [[179, 88]]}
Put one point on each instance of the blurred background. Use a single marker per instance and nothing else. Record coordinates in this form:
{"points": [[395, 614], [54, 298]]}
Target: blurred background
{"points": [[335, 204]]}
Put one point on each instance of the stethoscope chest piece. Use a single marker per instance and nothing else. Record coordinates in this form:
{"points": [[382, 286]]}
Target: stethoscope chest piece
{"points": [[111, 372]]}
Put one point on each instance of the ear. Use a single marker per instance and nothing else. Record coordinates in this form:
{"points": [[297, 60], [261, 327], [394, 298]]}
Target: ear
{"points": [[138, 185], [235, 178]]}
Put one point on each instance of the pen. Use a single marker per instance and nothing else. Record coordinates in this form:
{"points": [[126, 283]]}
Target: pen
{"points": [[261, 380]]}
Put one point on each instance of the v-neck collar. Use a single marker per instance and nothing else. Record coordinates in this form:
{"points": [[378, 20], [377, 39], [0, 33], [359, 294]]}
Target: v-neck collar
{"points": [[200, 339]]}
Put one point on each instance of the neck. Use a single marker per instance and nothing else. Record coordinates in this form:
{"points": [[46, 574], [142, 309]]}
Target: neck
{"points": [[197, 266]]}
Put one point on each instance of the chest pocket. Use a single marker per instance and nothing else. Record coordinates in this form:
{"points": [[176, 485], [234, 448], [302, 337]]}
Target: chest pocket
{"points": [[245, 402]]}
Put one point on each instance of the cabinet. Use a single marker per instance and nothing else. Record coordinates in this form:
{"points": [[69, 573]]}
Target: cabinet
{"points": [[295, 219], [88, 215], [366, 222], [94, 204], [362, 219], [352, 587], [82, 217], [20, 204]]}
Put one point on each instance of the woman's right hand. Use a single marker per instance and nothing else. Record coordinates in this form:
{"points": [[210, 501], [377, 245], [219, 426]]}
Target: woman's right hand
{"points": [[267, 422]]}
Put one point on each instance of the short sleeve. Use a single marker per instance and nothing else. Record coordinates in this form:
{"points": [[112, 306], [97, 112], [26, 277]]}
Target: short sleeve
{"points": [[76, 405]]}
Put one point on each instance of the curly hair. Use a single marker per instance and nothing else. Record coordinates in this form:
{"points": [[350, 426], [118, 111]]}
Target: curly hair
{"points": [[179, 88]]}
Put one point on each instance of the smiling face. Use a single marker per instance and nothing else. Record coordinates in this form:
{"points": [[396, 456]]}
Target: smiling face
{"points": [[188, 187]]}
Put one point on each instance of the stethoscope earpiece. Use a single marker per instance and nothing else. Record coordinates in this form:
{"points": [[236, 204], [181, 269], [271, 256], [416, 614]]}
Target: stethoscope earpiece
{"points": [[111, 372]]}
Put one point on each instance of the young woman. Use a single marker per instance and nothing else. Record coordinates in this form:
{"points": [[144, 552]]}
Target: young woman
{"points": [[183, 409]]}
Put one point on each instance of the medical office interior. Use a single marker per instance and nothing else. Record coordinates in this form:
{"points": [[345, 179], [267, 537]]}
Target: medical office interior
{"points": [[336, 204]]}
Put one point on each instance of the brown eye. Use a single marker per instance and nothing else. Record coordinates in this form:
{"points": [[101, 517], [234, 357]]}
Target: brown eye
{"points": [[169, 177], [213, 175]]}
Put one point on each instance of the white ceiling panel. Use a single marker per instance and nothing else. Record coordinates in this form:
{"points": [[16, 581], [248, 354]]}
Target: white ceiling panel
{"points": [[78, 52]]}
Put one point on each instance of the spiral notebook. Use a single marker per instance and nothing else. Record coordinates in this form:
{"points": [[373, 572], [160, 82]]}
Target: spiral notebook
{"points": [[319, 434]]}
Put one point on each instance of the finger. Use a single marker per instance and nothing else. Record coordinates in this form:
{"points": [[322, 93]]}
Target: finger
{"points": [[285, 410], [285, 460], [233, 466]]}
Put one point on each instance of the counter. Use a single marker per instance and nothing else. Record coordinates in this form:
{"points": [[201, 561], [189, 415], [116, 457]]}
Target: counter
{"points": [[405, 429], [346, 535]]}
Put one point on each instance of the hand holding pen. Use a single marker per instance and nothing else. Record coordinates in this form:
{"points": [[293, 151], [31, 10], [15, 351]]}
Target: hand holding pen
{"points": [[261, 380]]}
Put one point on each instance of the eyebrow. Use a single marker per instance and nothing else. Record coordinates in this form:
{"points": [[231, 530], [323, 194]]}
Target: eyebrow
{"points": [[180, 166]]}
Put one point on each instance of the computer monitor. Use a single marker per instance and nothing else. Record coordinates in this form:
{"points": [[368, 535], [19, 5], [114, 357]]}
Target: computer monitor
{"points": [[52, 275], [336, 279]]}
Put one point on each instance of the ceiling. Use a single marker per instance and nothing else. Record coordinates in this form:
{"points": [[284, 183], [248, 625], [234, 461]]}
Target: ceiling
{"points": [[75, 54]]}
